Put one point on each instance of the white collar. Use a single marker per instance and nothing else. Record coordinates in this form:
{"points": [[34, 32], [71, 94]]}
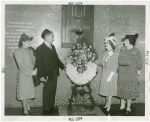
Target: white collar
{"points": [[110, 53]]}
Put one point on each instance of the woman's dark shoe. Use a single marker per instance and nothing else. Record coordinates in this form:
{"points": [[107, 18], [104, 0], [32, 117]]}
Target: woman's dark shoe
{"points": [[107, 112], [51, 111], [31, 113], [122, 111], [46, 112], [105, 106], [32, 99], [128, 113], [26, 114]]}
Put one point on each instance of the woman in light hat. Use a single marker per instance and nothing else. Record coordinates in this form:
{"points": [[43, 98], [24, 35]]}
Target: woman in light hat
{"points": [[130, 62], [26, 61], [109, 62]]}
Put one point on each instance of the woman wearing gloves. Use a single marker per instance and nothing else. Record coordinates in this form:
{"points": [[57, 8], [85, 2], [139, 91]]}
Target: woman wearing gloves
{"points": [[25, 60], [109, 62], [130, 62]]}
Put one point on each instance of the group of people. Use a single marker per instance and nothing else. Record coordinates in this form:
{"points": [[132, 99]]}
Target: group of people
{"points": [[120, 72], [45, 63]]}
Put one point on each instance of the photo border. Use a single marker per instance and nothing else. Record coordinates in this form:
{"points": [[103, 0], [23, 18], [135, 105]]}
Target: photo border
{"points": [[84, 118]]}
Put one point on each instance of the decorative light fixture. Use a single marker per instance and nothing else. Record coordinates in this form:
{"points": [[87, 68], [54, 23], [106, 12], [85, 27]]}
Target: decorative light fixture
{"points": [[79, 32]]}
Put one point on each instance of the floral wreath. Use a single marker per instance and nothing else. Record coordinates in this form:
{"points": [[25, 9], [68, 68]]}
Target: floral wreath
{"points": [[81, 66]]}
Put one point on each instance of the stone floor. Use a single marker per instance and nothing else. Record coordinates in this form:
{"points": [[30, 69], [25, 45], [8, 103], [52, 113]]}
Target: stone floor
{"points": [[138, 109], [19, 111], [80, 110]]}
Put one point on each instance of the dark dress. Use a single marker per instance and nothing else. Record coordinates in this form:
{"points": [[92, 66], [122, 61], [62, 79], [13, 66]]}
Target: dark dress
{"points": [[130, 61], [48, 64]]}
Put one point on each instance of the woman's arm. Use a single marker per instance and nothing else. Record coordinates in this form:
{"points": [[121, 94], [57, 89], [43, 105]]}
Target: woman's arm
{"points": [[138, 59], [22, 66], [112, 66]]}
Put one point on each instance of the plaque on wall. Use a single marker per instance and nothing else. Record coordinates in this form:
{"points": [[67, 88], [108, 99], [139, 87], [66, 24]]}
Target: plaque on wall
{"points": [[77, 25]]}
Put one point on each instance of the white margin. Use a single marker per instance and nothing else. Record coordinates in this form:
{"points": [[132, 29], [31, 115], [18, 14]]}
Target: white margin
{"points": [[85, 118]]}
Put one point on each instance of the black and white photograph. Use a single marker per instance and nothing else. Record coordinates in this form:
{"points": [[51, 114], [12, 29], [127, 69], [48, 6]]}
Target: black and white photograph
{"points": [[75, 61]]}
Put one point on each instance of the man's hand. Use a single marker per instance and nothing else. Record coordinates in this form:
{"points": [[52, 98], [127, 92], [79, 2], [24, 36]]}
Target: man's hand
{"points": [[34, 72], [43, 79]]}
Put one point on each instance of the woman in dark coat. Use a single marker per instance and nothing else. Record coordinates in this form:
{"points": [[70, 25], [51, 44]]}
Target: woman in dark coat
{"points": [[130, 62]]}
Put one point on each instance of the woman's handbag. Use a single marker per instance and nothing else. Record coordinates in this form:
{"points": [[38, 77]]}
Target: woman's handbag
{"points": [[36, 81]]}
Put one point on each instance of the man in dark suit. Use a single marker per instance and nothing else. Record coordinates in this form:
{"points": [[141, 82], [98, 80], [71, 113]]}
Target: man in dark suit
{"points": [[48, 64]]}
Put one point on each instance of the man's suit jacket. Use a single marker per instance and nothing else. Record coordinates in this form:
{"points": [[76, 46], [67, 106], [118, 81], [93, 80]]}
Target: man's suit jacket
{"points": [[34, 53], [47, 61]]}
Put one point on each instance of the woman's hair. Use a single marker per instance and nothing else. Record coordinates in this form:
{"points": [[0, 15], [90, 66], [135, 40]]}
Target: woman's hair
{"points": [[46, 32], [23, 38], [133, 39], [20, 44]]}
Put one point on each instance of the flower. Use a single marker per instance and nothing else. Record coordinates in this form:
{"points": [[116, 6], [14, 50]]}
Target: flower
{"points": [[78, 46], [88, 49], [90, 46], [83, 78], [73, 47], [84, 46], [81, 67]]}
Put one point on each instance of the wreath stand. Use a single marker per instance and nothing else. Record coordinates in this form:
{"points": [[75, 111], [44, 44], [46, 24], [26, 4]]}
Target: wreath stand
{"points": [[81, 92]]}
